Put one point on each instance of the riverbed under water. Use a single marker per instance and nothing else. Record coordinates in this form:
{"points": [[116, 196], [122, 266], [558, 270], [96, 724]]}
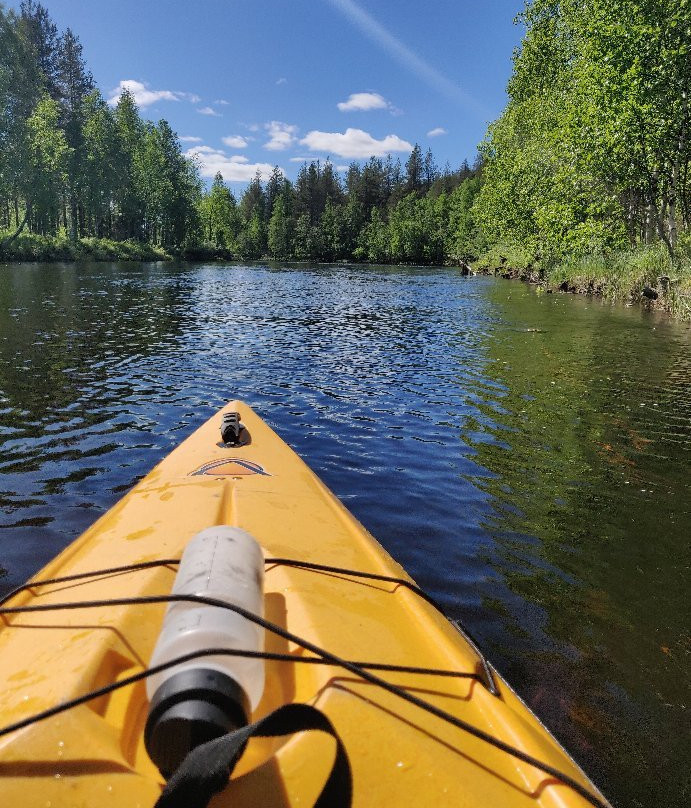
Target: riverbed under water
{"points": [[525, 456]]}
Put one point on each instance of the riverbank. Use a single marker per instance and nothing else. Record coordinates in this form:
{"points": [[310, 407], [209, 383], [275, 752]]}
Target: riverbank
{"points": [[645, 275], [32, 247]]}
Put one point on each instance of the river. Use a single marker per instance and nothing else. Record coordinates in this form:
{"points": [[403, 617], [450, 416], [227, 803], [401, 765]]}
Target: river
{"points": [[525, 456]]}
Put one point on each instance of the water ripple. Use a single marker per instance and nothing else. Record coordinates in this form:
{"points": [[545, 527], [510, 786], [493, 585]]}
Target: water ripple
{"points": [[525, 457]]}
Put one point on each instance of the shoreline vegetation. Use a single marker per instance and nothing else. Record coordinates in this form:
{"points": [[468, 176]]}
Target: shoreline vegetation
{"points": [[644, 276], [582, 185]]}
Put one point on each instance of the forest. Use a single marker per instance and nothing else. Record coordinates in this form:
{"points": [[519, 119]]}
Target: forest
{"points": [[592, 152], [73, 169], [584, 176]]}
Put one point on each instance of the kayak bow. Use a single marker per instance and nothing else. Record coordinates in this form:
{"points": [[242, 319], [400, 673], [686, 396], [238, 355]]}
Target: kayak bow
{"points": [[423, 718]]}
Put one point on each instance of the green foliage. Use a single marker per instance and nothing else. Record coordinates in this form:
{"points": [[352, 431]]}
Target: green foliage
{"points": [[464, 239], [279, 242], [623, 275], [70, 164], [252, 239], [592, 152], [48, 155], [220, 219], [35, 247]]}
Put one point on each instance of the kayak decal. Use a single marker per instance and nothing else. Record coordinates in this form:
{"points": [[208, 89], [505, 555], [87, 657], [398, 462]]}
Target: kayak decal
{"points": [[230, 467]]}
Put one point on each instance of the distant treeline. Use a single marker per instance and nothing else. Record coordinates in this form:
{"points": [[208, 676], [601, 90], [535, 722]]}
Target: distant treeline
{"points": [[72, 167], [591, 156], [381, 212], [592, 152]]}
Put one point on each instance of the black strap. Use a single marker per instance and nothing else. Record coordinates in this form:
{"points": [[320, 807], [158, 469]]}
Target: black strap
{"points": [[206, 769]]}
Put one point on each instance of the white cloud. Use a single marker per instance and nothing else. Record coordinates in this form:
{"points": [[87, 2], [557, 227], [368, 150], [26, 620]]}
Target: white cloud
{"points": [[193, 98], [190, 139], [404, 55], [364, 102], [282, 135], [354, 143], [439, 130], [144, 96], [209, 111], [222, 102], [282, 80], [302, 159], [235, 141], [342, 168], [234, 168]]}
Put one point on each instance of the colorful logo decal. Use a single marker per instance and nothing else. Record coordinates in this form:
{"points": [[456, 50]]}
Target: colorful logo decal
{"points": [[230, 467]]}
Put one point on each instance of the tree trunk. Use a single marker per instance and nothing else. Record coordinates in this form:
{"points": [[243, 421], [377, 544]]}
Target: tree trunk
{"points": [[6, 242], [672, 208], [73, 216]]}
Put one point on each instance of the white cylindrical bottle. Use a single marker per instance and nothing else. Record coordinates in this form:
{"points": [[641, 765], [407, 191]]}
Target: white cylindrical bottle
{"points": [[206, 697]]}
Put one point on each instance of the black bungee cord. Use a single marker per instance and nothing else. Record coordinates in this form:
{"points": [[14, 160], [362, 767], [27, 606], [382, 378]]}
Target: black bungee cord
{"points": [[488, 680], [325, 657]]}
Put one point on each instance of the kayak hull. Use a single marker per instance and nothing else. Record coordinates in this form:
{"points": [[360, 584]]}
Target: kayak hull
{"points": [[94, 754]]}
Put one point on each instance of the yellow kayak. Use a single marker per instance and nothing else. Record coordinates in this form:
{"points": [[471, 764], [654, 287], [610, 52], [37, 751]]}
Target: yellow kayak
{"points": [[422, 717]]}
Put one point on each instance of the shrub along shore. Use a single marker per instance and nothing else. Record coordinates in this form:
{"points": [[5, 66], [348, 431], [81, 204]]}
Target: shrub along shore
{"points": [[644, 275]]}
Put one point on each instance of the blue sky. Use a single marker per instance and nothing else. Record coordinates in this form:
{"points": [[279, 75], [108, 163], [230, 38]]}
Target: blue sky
{"points": [[255, 83]]}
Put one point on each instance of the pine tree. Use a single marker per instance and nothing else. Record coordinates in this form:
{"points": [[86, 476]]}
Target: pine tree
{"points": [[220, 215], [20, 91], [254, 200], [41, 34], [74, 84], [430, 171], [274, 187], [414, 171]]}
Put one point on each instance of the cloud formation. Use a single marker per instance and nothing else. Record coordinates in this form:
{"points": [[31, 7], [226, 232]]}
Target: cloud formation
{"points": [[354, 143], [144, 96], [209, 111], [405, 56], [234, 168], [282, 80], [439, 130], [190, 139], [235, 141], [281, 135], [363, 102]]}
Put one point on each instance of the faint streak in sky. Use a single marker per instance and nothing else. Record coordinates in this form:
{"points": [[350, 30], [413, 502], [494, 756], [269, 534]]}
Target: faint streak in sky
{"points": [[404, 55]]}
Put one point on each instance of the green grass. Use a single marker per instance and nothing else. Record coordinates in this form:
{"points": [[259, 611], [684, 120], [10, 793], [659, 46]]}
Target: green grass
{"points": [[32, 247], [621, 275], [624, 276]]}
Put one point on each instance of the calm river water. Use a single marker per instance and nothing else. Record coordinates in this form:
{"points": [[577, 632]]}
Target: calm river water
{"points": [[524, 456]]}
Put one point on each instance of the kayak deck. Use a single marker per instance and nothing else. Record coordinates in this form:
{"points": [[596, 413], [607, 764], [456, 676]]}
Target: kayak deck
{"points": [[94, 754]]}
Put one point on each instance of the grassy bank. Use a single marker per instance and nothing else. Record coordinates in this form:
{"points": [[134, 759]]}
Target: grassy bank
{"points": [[32, 247], [645, 275]]}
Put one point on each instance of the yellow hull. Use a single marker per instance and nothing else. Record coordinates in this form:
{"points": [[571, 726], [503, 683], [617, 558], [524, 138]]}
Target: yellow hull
{"points": [[93, 754]]}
